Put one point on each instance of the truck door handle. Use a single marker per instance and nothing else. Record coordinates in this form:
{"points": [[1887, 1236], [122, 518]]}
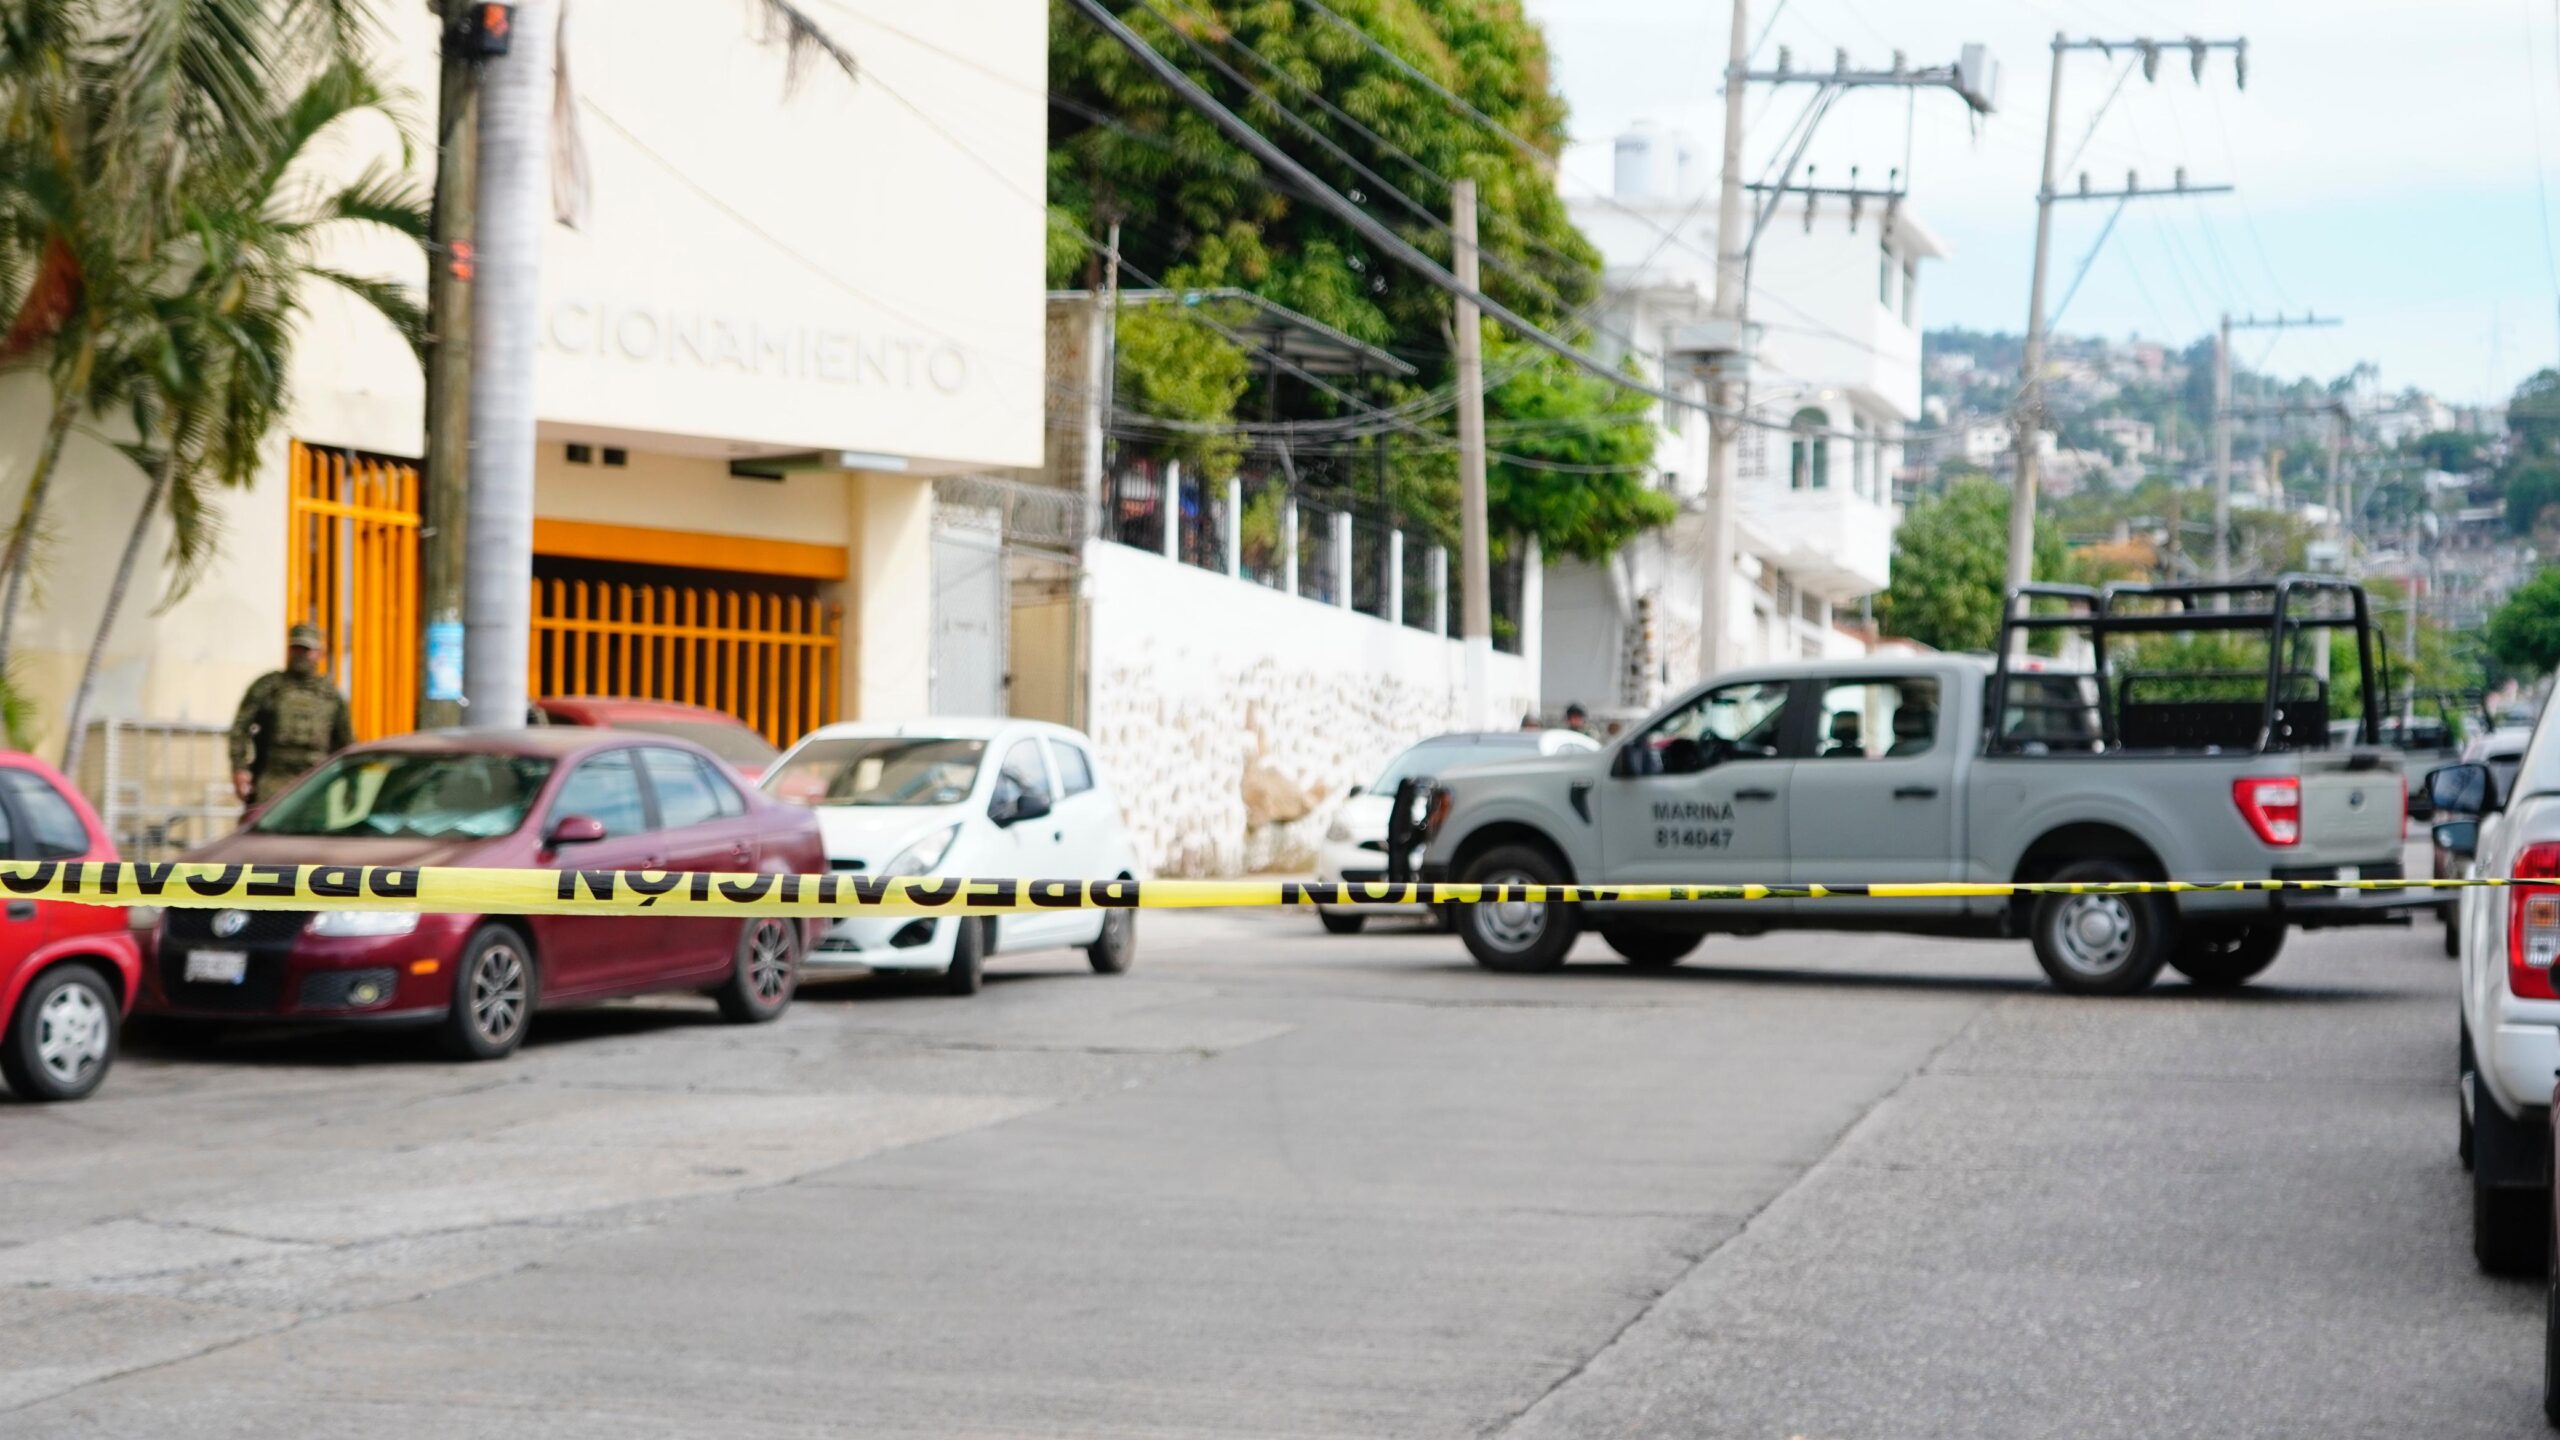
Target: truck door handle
{"points": [[1915, 792], [1755, 794], [22, 909]]}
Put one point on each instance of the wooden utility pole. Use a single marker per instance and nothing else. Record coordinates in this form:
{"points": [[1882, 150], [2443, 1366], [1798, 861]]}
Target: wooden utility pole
{"points": [[1719, 535], [1474, 563], [448, 428]]}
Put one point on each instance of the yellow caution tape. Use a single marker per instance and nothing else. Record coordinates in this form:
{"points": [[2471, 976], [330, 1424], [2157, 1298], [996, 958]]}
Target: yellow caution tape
{"points": [[660, 892]]}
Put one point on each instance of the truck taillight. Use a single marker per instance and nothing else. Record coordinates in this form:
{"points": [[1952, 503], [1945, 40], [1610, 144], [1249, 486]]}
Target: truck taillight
{"points": [[2533, 924], [2272, 806]]}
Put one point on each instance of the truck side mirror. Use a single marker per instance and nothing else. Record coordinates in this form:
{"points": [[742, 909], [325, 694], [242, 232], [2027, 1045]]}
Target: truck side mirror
{"points": [[2458, 837], [2462, 790]]}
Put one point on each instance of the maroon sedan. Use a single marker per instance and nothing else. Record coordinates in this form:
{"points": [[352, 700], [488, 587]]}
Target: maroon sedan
{"points": [[504, 799]]}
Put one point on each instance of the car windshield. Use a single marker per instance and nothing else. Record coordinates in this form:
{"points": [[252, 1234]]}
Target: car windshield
{"points": [[1435, 757], [879, 770], [410, 796], [736, 744]]}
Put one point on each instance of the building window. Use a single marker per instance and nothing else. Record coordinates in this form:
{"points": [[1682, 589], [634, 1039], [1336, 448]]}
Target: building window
{"points": [[1910, 287], [1860, 450], [1884, 275], [1809, 453]]}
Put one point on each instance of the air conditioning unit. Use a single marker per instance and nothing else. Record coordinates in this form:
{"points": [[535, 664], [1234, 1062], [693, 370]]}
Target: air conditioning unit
{"points": [[1978, 78]]}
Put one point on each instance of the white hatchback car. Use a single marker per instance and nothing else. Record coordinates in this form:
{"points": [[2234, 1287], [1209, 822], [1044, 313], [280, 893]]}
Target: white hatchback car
{"points": [[978, 799], [1355, 845]]}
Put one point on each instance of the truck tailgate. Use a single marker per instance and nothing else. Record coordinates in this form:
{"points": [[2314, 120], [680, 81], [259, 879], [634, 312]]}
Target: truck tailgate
{"points": [[2351, 807]]}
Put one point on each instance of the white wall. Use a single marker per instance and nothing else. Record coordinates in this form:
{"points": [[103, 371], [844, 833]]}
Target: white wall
{"points": [[1231, 718]]}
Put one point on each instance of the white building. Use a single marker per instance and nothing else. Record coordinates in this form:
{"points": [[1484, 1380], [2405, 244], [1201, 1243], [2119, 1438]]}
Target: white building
{"points": [[787, 310], [1835, 298], [2136, 438]]}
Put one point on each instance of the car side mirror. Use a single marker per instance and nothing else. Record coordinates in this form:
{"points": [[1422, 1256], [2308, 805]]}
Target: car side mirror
{"points": [[2462, 790], [1012, 805], [573, 830], [1354, 792], [2458, 837]]}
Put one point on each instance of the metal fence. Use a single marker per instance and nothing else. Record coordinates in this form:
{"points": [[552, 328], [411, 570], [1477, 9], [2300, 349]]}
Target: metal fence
{"points": [[1421, 596], [160, 787], [1368, 566], [1133, 503]]}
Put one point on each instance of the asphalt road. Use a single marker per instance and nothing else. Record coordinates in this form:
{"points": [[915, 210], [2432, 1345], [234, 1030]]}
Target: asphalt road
{"points": [[1273, 1183]]}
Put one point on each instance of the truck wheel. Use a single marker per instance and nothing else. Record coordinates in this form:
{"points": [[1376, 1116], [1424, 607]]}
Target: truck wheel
{"points": [[1337, 922], [2102, 944], [2462, 1091], [2452, 934], [2223, 957], [2551, 1347], [1649, 949], [1515, 936]]}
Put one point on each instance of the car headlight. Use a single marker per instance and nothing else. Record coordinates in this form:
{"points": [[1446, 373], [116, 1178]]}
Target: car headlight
{"points": [[922, 853], [350, 924]]}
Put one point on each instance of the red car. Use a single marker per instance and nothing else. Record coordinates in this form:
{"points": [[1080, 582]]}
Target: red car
{"points": [[507, 799], [68, 972], [717, 731]]}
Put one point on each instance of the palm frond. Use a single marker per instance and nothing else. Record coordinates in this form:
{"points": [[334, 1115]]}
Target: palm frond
{"points": [[394, 302], [803, 40], [381, 196]]}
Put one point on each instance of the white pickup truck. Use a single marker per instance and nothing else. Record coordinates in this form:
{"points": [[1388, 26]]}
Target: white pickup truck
{"points": [[1891, 769]]}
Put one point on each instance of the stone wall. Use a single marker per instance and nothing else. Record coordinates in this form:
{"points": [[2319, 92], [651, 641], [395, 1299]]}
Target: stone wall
{"points": [[1232, 719]]}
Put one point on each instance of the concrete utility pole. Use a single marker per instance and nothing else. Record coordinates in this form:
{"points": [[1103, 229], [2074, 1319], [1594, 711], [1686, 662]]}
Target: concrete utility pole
{"points": [[1724, 422], [1475, 569], [2222, 416], [448, 427], [515, 209], [2030, 412]]}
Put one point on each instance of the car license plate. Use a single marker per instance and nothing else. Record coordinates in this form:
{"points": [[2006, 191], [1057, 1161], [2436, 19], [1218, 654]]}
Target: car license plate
{"points": [[2350, 873], [217, 967]]}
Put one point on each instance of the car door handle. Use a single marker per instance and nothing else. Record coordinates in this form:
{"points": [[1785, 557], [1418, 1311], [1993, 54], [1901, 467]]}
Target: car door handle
{"points": [[22, 909], [1915, 792], [1755, 794]]}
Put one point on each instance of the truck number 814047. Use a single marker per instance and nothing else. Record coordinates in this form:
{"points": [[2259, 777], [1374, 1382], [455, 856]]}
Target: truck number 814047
{"points": [[1673, 837]]}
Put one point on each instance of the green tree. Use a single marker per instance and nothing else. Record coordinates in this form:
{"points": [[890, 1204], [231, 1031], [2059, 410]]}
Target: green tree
{"points": [[2533, 415], [2447, 450], [199, 363], [2531, 489], [1950, 567], [1195, 211], [2525, 632]]}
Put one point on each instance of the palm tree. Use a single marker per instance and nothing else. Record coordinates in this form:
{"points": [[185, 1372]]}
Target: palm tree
{"points": [[199, 355], [102, 103]]}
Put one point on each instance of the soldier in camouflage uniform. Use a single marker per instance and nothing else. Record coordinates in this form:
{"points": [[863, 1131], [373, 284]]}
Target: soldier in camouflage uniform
{"points": [[290, 721]]}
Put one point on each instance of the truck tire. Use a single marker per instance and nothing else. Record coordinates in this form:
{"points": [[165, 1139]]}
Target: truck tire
{"points": [[1339, 922], [1647, 948], [1516, 937], [2224, 957], [2452, 933], [2102, 944]]}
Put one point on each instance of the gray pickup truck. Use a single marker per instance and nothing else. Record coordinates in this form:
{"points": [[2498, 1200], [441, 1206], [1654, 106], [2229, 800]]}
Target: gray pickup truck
{"points": [[1890, 768]]}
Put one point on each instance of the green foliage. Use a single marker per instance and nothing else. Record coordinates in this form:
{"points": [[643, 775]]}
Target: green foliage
{"points": [[2525, 633], [2533, 415], [1173, 366], [1950, 567], [1194, 210], [2447, 450], [2531, 489]]}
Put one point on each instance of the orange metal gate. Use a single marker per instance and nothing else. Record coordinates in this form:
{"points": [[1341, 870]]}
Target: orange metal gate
{"points": [[769, 659], [351, 568]]}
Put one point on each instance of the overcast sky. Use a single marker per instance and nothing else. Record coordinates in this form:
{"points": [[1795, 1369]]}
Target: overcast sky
{"points": [[2385, 151]]}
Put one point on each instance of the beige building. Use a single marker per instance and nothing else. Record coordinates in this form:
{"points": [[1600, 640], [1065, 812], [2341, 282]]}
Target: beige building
{"points": [[786, 311]]}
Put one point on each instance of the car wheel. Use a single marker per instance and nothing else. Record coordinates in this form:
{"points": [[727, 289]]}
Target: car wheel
{"points": [[2102, 944], [62, 1041], [1518, 936], [1337, 923], [1112, 953], [765, 973], [493, 992], [968, 958], [1649, 949], [2224, 957]]}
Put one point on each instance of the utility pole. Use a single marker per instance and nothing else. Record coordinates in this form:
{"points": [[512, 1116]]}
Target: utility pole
{"points": [[1724, 394], [2222, 423], [515, 208], [1475, 578], [448, 424], [2030, 413]]}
